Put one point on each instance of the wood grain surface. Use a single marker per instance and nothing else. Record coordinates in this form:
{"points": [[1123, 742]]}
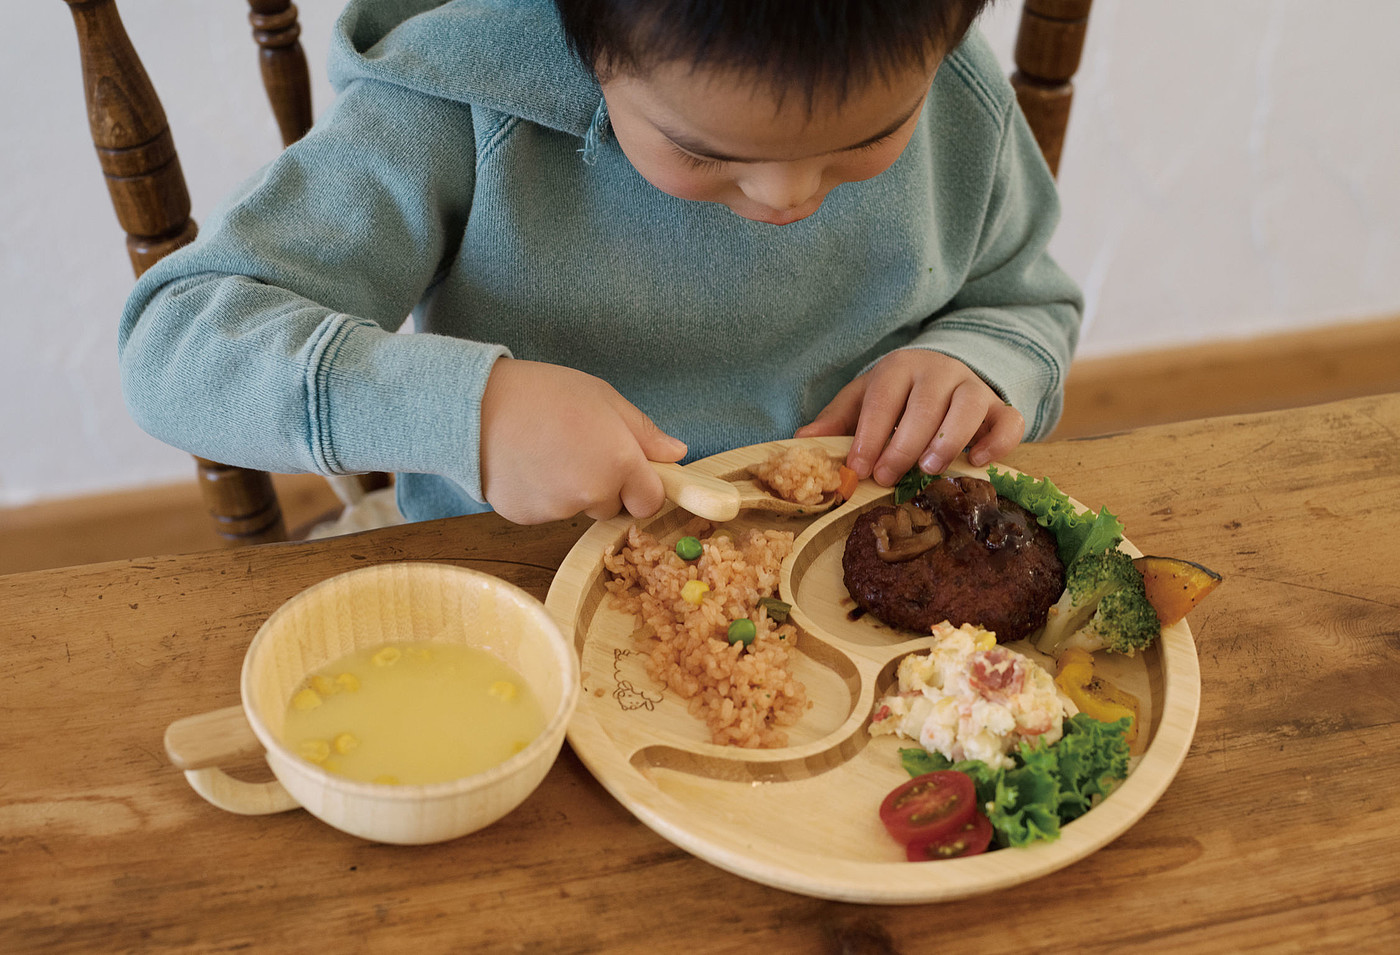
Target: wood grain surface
{"points": [[1280, 832]]}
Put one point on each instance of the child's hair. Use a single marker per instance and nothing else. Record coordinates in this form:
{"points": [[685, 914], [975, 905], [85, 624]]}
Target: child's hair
{"points": [[806, 45]]}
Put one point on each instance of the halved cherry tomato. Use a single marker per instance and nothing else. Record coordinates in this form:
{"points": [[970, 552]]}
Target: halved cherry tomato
{"points": [[971, 839], [930, 805]]}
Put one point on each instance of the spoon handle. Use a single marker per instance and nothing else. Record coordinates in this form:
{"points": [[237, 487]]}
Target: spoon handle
{"points": [[700, 494]]}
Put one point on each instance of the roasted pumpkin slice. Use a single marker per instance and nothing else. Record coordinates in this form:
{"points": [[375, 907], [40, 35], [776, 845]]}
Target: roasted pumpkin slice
{"points": [[1175, 586]]}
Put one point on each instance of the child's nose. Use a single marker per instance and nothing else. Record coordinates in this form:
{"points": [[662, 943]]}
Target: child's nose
{"points": [[782, 187]]}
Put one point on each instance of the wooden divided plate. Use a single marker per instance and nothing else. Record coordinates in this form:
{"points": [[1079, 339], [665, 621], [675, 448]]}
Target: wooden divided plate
{"points": [[805, 817]]}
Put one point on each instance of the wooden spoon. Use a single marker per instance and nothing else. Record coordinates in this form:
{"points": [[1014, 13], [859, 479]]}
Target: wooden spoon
{"points": [[718, 500]]}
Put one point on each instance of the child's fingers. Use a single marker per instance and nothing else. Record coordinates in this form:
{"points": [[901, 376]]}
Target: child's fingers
{"points": [[839, 416], [967, 409], [642, 493], [634, 488], [603, 511], [557, 442], [987, 430], [883, 408], [1007, 427], [926, 406], [822, 427], [656, 444]]}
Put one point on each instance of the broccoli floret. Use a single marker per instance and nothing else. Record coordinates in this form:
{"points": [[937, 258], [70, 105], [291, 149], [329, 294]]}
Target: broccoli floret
{"points": [[1123, 623], [1104, 607]]}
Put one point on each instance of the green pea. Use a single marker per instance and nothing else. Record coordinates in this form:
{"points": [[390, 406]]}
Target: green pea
{"points": [[742, 631], [688, 548]]}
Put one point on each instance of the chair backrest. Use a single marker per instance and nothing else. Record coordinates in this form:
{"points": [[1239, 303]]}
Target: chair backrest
{"points": [[147, 186], [1049, 42]]}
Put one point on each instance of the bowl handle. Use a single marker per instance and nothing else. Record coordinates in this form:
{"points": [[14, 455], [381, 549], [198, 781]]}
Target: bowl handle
{"points": [[198, 744]]}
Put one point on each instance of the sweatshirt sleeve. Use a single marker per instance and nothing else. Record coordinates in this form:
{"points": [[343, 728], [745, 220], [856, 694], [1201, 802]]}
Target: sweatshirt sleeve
{"points": [[270, 341], [1015, 321]]}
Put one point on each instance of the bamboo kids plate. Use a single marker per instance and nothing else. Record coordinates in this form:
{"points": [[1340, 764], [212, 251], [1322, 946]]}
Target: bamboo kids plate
{"points": [[804, 818]]}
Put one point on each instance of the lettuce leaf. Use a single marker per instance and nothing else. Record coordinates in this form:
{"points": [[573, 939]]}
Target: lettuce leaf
{"points": [[1076, 533], [1049, 786], [1092, 756], [1025, 809]]}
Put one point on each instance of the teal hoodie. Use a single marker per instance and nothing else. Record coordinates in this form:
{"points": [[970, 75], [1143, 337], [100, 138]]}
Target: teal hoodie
{"points": [[465, 175]]}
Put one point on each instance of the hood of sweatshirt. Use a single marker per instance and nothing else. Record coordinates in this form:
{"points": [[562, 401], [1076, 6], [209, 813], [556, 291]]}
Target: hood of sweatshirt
{"points": [[504, 55]]}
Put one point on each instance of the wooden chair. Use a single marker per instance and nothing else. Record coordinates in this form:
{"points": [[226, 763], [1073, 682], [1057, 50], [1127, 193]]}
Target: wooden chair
{"points": [[1049, 42], [138, 159]]}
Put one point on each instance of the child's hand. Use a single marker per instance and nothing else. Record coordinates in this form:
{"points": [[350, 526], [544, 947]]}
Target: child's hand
{"points": [[918, 405], [556, 442]]}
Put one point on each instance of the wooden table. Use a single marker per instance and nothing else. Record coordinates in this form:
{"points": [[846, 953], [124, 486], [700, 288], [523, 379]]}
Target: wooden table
{"points": [[1281, 832]]}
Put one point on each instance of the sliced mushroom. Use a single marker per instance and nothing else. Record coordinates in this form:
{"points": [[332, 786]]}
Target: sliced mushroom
{"points": [[905, 533]]}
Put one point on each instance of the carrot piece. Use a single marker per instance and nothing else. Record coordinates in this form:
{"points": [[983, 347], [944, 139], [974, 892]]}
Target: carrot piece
{"points": [[847, 490]]}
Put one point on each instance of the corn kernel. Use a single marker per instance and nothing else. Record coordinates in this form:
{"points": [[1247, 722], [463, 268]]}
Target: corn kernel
{"points": [[348, 682], [306, 699], [986, 641], [324, 685], [315, 750], [345, 742], [388, 779], [503, 690], [694, 591], [387, 657]]}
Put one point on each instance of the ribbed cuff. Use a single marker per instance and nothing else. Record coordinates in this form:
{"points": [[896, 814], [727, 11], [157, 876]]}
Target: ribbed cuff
{"points": [[379, 401]]}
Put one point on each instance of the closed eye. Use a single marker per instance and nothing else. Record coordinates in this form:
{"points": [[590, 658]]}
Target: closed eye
{"points": [[694, 161], [873, 144], [703, 163]]}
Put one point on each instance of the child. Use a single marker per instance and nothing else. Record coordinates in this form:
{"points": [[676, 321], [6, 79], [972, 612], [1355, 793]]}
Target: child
{"points": [[627, 230]]}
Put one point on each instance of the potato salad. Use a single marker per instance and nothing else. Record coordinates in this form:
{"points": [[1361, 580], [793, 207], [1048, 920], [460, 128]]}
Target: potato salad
{"points": [[968, 698]]}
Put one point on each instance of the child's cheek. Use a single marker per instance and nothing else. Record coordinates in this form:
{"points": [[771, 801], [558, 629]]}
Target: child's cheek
{"points": [[858, 170], [868, 164], [676, 178], [687, 184]]}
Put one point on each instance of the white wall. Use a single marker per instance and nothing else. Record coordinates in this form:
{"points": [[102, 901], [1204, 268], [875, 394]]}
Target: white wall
{"points": [[1231, 171], [1232, 168]]}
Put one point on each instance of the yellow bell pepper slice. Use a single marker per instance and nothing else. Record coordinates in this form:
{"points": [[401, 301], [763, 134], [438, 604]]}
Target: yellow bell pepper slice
{"points": [[1095, 696]]}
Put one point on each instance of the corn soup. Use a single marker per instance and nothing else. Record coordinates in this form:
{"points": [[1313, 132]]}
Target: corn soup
{"points": [[412, 713]]}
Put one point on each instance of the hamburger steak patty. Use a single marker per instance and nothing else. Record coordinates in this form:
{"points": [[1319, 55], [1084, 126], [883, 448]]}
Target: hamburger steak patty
{"points": [[957, 552]]}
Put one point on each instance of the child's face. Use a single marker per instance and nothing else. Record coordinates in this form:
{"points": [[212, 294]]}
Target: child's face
{"points": [[713, 136]]}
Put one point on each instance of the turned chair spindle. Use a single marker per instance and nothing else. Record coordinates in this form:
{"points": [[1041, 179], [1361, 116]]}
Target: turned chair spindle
{"points": [[136, 152], [1048, 46]]}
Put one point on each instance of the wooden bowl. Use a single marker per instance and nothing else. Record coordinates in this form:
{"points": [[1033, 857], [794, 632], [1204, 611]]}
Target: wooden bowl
{"points": [[805, 817], [387, 603]]}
